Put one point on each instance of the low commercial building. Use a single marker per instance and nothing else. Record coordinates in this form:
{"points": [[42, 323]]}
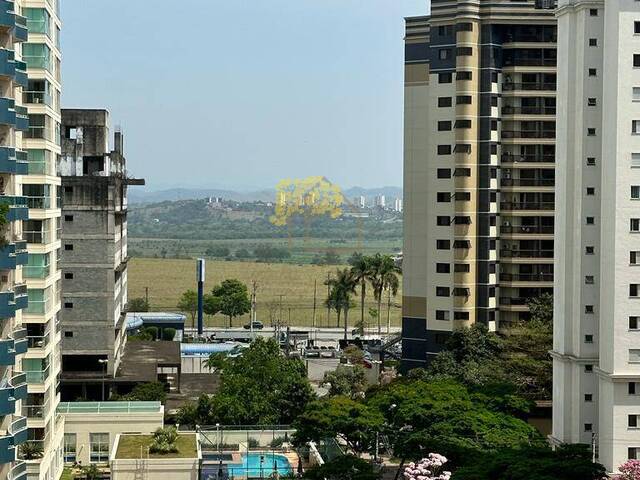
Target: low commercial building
{"points": [[91, 428]]}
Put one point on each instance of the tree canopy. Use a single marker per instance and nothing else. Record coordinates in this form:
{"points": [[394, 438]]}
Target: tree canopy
{"points": [[231, 298]]}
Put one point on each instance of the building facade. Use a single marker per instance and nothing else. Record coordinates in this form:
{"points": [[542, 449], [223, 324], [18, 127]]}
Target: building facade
{"points": [[479, 167], [94, 256], [40, 187], [596, 353]]}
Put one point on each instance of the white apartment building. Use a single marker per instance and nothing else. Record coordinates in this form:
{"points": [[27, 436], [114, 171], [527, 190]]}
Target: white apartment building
{"points": [[596, 353]]}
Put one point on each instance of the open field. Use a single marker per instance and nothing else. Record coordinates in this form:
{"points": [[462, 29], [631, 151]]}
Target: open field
{"points": [[285, 291]]}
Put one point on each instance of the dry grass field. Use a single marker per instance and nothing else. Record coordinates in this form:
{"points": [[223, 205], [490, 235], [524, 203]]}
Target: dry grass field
{"points": [[283, 289]]}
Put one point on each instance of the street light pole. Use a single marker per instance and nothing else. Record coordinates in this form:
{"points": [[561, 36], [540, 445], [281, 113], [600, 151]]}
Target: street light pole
{"points": [[104, 362]]}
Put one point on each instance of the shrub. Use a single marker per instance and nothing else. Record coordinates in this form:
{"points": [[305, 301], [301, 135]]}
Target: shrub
{"points": [[31, 450], [164, 441], [168, 334], [253, 442]]}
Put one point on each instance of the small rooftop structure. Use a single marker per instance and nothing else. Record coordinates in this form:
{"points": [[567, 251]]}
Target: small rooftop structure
{"points": [[136, 320]]}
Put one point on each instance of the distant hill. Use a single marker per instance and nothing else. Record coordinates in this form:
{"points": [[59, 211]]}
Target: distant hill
{"points": [[173, 194]]}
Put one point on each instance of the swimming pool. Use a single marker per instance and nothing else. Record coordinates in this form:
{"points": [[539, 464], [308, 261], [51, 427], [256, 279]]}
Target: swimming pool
{"points": [[257, 464]]}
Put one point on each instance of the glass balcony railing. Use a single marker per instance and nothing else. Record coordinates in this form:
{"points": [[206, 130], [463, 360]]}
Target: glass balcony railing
{"points": [[19, 430], [19, 384], [21, 77], [39, 203], [42, 237], [527, 229], [35, 411], [527, 205], [37, 376], [18, 471], [38, 341], [37, 97], [21, 32], [33, 271]]}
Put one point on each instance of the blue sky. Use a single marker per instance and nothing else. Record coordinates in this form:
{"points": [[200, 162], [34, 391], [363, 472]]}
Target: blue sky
{"points": [[242, 93]]}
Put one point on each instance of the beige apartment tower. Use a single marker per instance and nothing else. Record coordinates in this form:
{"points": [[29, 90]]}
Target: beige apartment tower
{"points": [[479, 167]]}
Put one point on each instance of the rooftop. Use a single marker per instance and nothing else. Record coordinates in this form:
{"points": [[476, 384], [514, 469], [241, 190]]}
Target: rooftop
{"points": [[131, 446], [109, 407], [141, 360]]}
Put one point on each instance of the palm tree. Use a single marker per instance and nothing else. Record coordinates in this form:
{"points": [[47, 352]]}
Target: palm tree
{"points": [[384, 274], [391, 285], [342, 287], [361, 270]]}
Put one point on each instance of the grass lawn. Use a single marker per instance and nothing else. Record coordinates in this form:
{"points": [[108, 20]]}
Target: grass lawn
{"points": [[66, 474], [167, 279], [130, 446]]}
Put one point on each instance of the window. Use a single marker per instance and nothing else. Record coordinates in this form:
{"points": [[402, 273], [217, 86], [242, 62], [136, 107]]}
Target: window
{"points": [[442, 315], [444, 126], [463, 124], [634, 224], [444, 173], [635, 159], [591, 132], [444, 149], [593, 12], [463, 196], [634, 256], [636, 94], [444, 53], [589, 280], [462, 172], [462, 148], [463, 100], [68, 276], [588, 339], [635, 127], [443, 221], [443, 268], [463, 76], [445, 30], [68, 304], [461, 268], [444, 101], [588, 397], [588, 368], [588, 309], [633, 323], [68, 218], [99, 447], [443, 197], [593, 72], [631, 388], [588, 427], [70, 442], [461, 315], [464, 51], [632, 421], [636, 60], [464, 27], [591, 220], [592, 102], [636, 27], [442, 291], [68, 334], [593, 42], [443, 244], [589, 250], [633, 289], [591, 191], [632, 453], [68, 246], [445, 77], [591, 161]]}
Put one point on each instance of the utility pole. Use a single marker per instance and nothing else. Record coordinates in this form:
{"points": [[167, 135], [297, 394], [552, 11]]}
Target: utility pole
{"points": [[146, 295], [313, 318], [328, 303], [594, 439], [254, 289]]}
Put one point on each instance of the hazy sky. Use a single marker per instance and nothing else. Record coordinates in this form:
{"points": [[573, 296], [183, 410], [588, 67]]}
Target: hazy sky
{"points": [[243, 93]]}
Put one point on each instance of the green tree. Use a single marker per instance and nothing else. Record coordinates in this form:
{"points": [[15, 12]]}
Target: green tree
{"points": [[91, 472], [261, 386], [361, 271], [349, 381], [138, 304], [384, 275], [233, 298], [189, 304], [342, 286], [218, 251], [541, 308], [147, 392], [353, 422], [242, 253], [567, 462], [343, 467], [168, 334]]}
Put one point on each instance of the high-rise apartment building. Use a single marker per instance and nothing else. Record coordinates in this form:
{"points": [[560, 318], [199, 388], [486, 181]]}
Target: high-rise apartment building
{"points": [[40, 187], [13, 250], [596, 352], [94, 256], [479, 167]]}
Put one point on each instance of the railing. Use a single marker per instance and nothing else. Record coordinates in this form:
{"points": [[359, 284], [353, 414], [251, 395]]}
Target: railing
{"points": [[530, 62], [109, 407], [526, 253], [35, 411], [38, 97], [529, 86], [526, 277], [34, 271], [527, 205], [518, 301], [525, 229], [38, 341], [38, 132], [40, 203], [37, 376], [39, 306], [528, 110], [42, 236], [527, 182], [510, 158]]}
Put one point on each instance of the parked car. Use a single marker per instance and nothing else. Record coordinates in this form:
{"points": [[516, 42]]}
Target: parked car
{"points": [[257, 325]]}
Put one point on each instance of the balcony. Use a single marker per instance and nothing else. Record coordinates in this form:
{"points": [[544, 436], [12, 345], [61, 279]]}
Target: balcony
{"points": [[529, 87], [526, 277], [514, 301], [526, 253], [529, 62], [7, 111], [22, 119], [18, 209], [37, 376], [40, 341], [526, 229], [7, 448], [527, 182], [21, 77], [8, 160], [39, 202], [21, 31], [41, 237], [529, 110], [21, 298], [12, 346], [19, 430], [12, 255], [7, 15], [7, 63], [519, 206], [541, 158], [19, 383], [37, 412], [19, 471], [37, 98]]}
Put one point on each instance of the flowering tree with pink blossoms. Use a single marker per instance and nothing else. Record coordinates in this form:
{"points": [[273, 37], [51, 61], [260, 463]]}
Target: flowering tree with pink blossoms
{"points": [[430, 468], [630, 470]]}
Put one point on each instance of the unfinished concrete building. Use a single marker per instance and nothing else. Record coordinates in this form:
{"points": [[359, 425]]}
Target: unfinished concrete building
{"points": [[94, 253]]}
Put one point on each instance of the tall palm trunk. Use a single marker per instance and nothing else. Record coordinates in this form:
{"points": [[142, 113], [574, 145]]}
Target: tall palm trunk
{"points": [[379, 313], [363, 293], [338, 312], [388, 311], [346, 316]]}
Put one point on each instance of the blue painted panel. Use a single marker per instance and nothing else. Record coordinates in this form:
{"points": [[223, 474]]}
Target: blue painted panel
{"points": [[7, 305], [7, 111], [7, 450], [7, 352], [19, 382], [7, 400]]}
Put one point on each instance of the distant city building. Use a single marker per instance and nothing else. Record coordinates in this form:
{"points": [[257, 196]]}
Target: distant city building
{"points": [[360, 201], [380, 201], [397, 205], [94, 251]]}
